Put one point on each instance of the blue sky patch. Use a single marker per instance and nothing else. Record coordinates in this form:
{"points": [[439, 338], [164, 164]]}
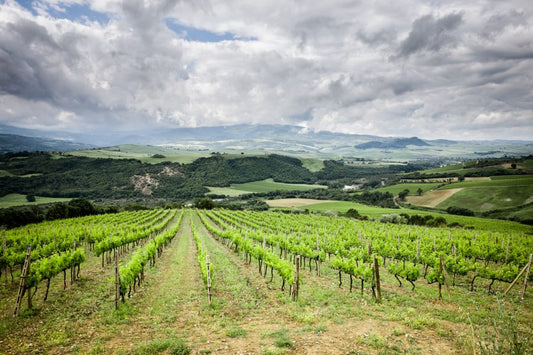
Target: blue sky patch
{"points": [[72, 12], [197, 35]]}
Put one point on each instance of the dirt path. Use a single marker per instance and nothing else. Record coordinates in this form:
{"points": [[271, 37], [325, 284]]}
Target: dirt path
{"points": [[432, 198]]}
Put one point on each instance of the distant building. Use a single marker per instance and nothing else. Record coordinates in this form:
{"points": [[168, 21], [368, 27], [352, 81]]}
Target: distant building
{"points": [[351, 187]]}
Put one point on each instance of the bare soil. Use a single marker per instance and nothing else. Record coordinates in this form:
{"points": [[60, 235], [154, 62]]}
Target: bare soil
{"points": [[294, 202], [432, 198]]}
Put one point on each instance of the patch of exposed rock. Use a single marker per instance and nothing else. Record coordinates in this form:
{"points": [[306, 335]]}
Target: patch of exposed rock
{"points": [[168, 171], [144, 183]]}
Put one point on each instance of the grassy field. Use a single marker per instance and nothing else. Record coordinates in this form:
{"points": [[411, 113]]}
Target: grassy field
{"points": [[142, 153], [169, 312], [11, 200], [485, 198], [260, 186], [497, 193], [4, 173], [313, 165], [376, 212]]}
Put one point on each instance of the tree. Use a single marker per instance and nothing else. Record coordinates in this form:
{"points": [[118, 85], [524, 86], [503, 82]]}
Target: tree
{"points": [[402, 195], [30, 198], [204, 203], [57, 211], [419, 191], [459, 211], [352, 213], [79, 207]]}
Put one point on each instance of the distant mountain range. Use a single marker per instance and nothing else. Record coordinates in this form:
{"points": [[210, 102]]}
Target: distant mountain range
{"points": [[284, 139], [398, 143], [16, 143]]}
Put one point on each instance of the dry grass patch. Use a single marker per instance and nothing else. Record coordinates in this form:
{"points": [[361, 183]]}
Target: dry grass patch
{"points": [[432, 198], [294, 202]]}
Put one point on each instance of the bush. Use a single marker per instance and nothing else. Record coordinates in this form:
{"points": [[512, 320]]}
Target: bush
{"points": [[393, 218], [461, 211], [204, 203], [352, 213]]}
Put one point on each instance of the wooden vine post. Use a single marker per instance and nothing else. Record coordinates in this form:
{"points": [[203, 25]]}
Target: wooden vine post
{"points": [[526, 269], [445, 276], [296, 282], [117, 282], [376, 278], [208, 268], [22, 287], [4, 251], [527, 276], [318, 256]]}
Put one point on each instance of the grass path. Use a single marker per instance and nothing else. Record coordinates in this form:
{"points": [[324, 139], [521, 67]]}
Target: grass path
{"points": [[169, 303]]}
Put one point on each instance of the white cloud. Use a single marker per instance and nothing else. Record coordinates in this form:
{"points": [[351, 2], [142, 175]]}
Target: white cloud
{"points": [[403, 68]]}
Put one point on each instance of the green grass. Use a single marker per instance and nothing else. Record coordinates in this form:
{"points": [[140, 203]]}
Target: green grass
{"points": [[173, 346], [498, 193], [236, 332], [445, 169], [11, 200], [376, 212], [458, 169], [527, 163], [511, 177], [281, 338], [143, 153], [521, 181], [4, 173], [487, 198], [260, 186], [312, 165]]}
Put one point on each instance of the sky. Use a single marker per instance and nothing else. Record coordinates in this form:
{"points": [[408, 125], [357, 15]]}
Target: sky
{"points": [[429, 68]]}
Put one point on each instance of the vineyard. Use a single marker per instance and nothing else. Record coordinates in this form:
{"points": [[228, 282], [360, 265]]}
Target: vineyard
{"points": [[231, 282]]}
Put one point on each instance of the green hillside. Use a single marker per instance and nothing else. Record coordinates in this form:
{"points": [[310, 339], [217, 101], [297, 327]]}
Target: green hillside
{"points": [[376, 212], [266, 185]]}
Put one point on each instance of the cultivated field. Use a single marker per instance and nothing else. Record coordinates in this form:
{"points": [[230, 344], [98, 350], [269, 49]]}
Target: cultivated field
{"points": [[143, 153], [432, 198], [295, 202], [376, 212], [267, 185], [250, 314], [11, 200]]}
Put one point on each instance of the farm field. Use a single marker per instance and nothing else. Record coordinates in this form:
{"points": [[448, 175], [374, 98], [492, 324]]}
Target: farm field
{"points": [[480, 194], [142, 153], [261, 186], [250, 314], [432, 198], [11, 200], [377, 212]]}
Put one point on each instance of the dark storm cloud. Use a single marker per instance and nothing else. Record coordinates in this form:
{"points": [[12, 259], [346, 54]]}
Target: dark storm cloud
{"points": [[21, 73], [431, 34]]}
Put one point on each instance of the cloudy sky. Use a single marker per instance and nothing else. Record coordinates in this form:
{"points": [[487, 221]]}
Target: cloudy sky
{"points": [[434, 69]]}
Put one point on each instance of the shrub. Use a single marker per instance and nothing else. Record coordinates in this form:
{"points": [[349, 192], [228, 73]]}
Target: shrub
{"points": [[459, 211]]}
